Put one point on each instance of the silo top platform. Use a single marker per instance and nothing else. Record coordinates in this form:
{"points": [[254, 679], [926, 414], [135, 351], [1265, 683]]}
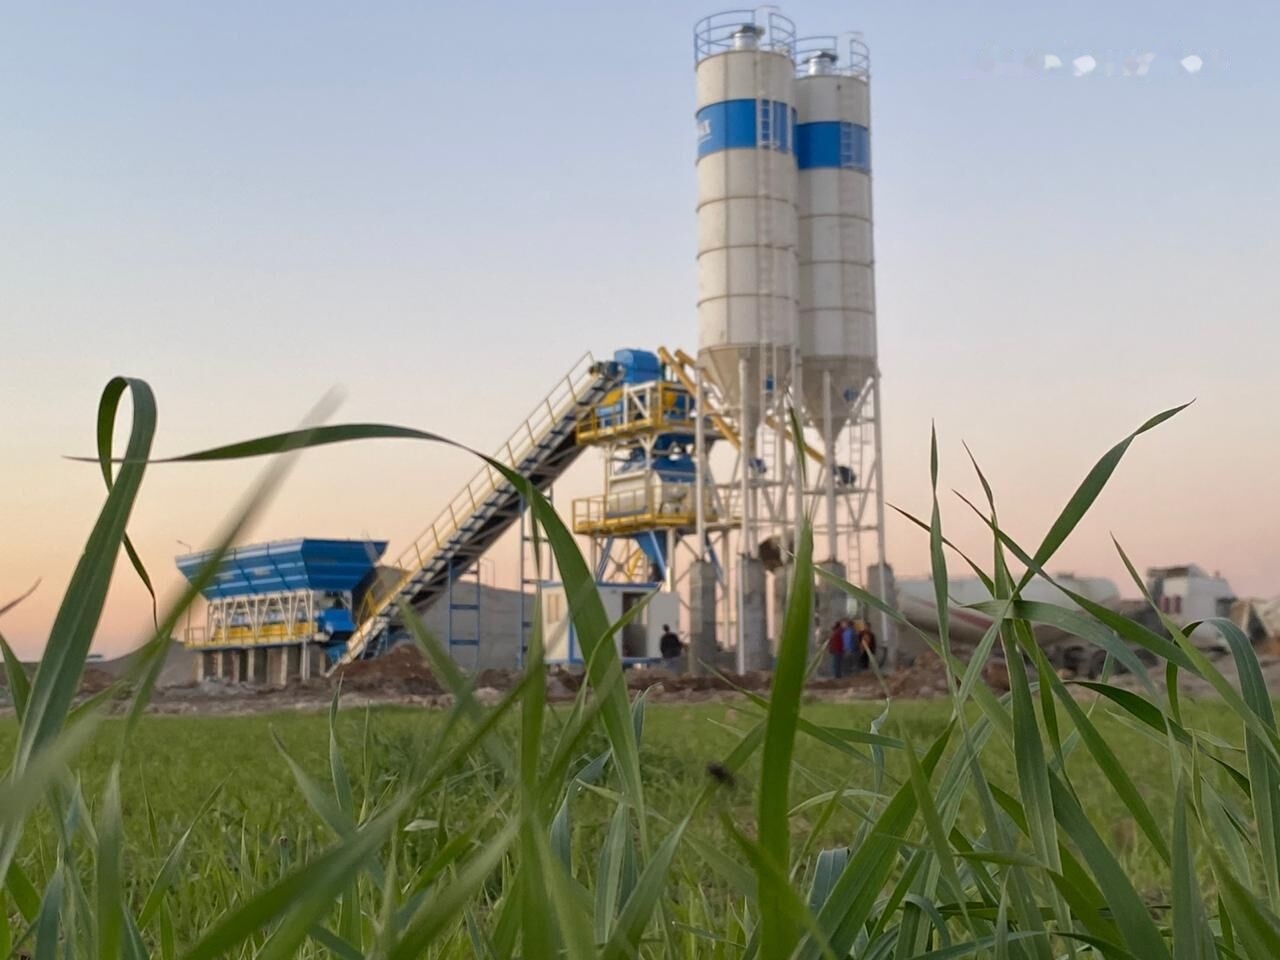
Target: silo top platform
{"points": [[283, 565]]}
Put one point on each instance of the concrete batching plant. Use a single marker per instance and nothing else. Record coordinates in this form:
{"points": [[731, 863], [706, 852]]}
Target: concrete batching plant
{"points": [[704, 480]]}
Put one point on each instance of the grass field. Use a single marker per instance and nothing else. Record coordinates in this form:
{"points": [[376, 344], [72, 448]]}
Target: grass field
{"points": [[1031, 826], [260, 825]]}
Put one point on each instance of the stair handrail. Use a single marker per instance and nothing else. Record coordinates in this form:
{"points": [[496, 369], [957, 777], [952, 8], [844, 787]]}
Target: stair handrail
{"points": [[546, 414]]}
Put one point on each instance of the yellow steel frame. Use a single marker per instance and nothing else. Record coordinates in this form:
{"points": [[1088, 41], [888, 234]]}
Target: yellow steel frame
{"points": [[647, 409], [680, 363], [589, 518]]}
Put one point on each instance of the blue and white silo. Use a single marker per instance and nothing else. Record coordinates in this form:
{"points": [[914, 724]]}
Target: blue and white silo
{"points": [[837, 326], [746, 204]]}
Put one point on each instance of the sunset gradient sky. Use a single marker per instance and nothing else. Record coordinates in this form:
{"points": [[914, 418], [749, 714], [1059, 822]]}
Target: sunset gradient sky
{"points": [[439, 207]]}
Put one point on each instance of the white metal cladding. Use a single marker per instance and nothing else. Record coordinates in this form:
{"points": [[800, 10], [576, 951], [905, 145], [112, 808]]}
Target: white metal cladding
{"points": [[837, 330], [747, 228]]}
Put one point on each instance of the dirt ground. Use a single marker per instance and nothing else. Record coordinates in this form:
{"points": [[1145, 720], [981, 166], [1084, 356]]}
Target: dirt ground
{"points": [[403, 677]]}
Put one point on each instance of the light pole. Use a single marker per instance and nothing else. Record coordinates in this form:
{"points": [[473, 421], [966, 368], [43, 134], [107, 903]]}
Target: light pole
{"points": [[187, 635]]}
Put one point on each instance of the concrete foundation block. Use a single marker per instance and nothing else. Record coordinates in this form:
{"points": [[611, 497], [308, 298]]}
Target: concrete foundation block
{"points": [[293, 662], [755, 653], [702, 617], [258, 663]]}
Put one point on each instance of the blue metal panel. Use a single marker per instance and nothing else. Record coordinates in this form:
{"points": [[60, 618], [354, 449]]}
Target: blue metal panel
{"points": [[336, 621], [284, 565], [654, 548], [732, 125], [638, 366], [833, 144]]}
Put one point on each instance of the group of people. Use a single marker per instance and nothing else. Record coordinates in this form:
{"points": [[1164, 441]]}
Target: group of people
{"points": [[852, 647]]}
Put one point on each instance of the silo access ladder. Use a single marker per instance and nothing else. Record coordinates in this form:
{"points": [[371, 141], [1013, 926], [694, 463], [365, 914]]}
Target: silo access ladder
{"points": [[540, 450]]}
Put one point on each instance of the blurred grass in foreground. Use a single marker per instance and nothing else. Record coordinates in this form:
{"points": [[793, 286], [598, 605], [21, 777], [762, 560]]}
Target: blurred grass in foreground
{"points": [[1039, 824]]}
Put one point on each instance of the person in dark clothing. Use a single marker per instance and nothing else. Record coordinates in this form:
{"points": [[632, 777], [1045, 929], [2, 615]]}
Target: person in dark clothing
{"points": [[670, 644], [866, 646], [835, 647]]}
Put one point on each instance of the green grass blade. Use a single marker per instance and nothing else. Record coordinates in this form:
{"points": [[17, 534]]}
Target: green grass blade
{"points": [[22, 891], [300, 898], [1136, 926], [854, 894], [935, 831], [19, 682], [1113, 769], [1264, 773], [57, 678], [442, 909], [830, 865], [1191, 940], [778, 933], [561, 832], [168, 872], [336, 945], [538, 934], [1074, 624], [10, 604], [47, 921], [1257, 927], [325, 806], [350, 910], [793, 905], [604, 668], [1088, 492], [615, 876], [107, 408], [640, 906], [109, 886], [571, 917]]}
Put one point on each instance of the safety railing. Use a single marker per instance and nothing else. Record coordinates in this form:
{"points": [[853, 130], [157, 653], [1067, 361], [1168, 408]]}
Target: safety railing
{"points": [[719, 32], [248, 636], [550, 412], [637, 410], [642, 508], [856, 63]]}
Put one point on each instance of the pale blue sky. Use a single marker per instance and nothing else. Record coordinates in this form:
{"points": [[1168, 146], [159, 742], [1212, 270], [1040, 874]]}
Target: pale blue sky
{"points": [[247, 203]]}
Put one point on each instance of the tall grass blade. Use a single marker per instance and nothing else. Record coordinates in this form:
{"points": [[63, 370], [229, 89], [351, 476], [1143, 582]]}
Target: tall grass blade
{"points": [[778, 933], [10, 604], [854, 894], [1257, 927], [300, 898], [639, 908], [47, 921], [168, 871], [1191, 940], [110, 896], [1140, 933], [440, 911], [16, 676], [1088, 492], [58, 675]]}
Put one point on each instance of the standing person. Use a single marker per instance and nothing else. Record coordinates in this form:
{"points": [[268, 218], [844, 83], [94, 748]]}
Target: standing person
{"points": [[669, 645], [849, 639], [866, 646], [835, 647]]}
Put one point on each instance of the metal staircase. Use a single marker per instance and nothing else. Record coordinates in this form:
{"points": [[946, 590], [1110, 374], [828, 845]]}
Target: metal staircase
{"points": [[540, 450]]}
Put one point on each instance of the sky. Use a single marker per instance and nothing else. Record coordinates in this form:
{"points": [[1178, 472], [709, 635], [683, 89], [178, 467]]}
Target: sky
{"points": [[437, 208]]}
